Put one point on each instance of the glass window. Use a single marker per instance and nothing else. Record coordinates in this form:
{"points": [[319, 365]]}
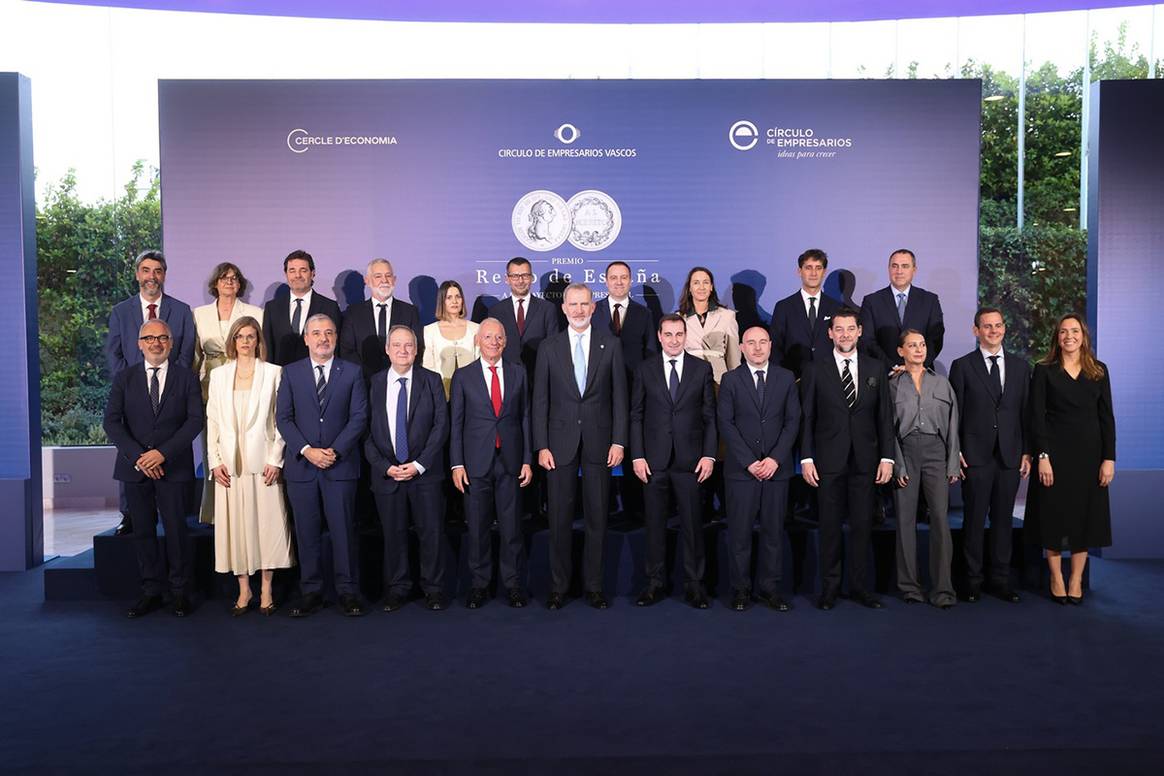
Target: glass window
{"points": [[863, 49], [927, 48], [796, 50]]}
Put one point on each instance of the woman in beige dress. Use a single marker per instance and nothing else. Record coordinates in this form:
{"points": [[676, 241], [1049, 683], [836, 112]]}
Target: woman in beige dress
{"points": [[251, 532], [211, 324], [450, 341], [712, 331]]}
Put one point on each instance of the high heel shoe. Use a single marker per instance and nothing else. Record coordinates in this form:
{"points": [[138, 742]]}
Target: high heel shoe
{"points": [[239, 611], [1059, 599], [268, 610]]}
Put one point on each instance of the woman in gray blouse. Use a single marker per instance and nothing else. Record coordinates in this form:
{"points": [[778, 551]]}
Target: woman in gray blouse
{"points": [[925, 419]]}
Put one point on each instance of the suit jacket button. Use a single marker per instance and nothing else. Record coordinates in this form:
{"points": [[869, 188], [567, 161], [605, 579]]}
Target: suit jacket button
{"points": [[579, 422]]}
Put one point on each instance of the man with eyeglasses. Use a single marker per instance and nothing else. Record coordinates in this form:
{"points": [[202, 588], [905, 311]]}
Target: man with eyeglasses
{"points": [[152, 416], [150, 304], [528, 319]]}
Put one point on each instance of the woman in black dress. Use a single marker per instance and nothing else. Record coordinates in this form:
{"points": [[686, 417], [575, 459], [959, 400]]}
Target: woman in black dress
{"points": [[1074, 436]]}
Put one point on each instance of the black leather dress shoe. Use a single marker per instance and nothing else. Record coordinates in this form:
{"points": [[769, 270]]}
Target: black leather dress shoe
{"points": [[596, 599], [1007, 594], [741, 599], [124, 528], [477, 598], [308, 605], [827, 602], [555, 602], [181, 607], [434, 602], [775, 601], [697, 597], [145, 605], [912, 600], [516, 597], [652, 595], [973, 596], [350, 606], [394, 601], [868, 600]]}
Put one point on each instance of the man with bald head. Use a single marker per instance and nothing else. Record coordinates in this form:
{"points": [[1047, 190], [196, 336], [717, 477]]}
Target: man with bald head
{"points": [[364, 333], [152, 416], [580, 410], [759, 418], [490, 455]]}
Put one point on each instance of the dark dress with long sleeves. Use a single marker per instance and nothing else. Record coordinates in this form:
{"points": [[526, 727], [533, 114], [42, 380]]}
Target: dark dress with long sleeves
{"points": [[1072, 421]]}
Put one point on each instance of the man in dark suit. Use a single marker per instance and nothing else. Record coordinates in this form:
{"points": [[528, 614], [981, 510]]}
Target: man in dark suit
{"points": [[846, 448], [673, 448], [405, 448], [285, 317], [759, 417], [322, 411], [527, 319], [364, 333], [992, 388], [900, 306], [490, 453], [125, 320], [579, 418], [800, 322], [152, 416], [622, 317]]}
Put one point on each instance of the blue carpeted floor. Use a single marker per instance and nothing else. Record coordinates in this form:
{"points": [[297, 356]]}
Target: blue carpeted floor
{"points": [[987, 688]]}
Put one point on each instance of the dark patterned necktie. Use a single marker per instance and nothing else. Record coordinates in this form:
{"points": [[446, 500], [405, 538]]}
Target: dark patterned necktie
{"points": [[616, 321], [320, 384], [848, 386], [297, 318], [673, 381], [155, 389], [402, 421]]}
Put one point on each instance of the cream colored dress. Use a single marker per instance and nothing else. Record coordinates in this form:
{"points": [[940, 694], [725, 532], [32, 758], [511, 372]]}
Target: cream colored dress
{"points": [[251, 530], [446, 356], [716, 340], [210, 353]]}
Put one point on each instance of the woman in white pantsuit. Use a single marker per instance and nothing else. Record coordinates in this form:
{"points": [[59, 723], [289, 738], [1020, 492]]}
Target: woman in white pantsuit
{"points": [[245, 452]]}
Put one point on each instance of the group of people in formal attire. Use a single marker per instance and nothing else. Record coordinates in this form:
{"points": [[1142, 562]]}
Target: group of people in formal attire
{"points": [[312, 416]]}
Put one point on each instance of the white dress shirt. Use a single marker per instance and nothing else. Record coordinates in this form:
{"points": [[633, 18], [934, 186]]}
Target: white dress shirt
{"points": [[667, 368], [162, 370], [392, 398], [515, 299], [387, 315], [303, 317], [805, 296], [986, 354], [762, 368], [625, 302], [145, 307], [905, 291], [585, 337], [839, 359]]}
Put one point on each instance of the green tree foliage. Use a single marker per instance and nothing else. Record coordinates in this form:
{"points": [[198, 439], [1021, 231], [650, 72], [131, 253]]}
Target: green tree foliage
{"points": [[85, 258]]}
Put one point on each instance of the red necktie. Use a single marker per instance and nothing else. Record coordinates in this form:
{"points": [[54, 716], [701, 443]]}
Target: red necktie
{"points": [[616, 323], [153, 308], [495, 395], [521, 317]]}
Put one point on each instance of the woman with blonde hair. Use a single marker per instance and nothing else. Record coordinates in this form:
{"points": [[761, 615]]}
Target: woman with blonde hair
{"points": [[245, 450], [1073, 430]]}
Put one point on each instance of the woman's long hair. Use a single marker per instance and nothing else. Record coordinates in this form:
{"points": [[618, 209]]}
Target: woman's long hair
{"points": [[686, 305], [1090, 368]]}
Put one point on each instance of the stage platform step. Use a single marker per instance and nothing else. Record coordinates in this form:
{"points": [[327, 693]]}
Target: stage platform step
{"points": [[109, 570]]}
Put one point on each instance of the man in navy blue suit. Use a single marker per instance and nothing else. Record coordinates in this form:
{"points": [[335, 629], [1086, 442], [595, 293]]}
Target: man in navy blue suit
{"points": [[405, 449], [846, 448], [489, 451], [579, 419], [150, 303], [992, 389], [900, 306], [759, 417], [673, 448], [800, 322], [152, 416], [322, 411]]}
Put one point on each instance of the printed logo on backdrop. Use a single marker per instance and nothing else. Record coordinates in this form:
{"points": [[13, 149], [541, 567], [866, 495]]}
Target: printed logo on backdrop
{"points": [[788, 142], [542, 220], [300, 141], [567, 134]]}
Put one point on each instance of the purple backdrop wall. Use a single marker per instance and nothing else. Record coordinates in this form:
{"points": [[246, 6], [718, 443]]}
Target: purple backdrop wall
{"points": [[739, 175]]}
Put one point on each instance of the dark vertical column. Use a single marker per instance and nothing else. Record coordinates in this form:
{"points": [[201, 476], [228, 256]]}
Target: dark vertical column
{"points": [[21, 512]]}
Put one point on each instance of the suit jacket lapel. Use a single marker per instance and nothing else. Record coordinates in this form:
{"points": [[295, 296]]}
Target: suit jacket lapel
{"points": [[566, 352], [258, 387], [597, 349], [507, 380]]}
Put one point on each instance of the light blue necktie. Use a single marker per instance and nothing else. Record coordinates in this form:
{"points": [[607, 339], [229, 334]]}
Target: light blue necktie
{"points": [[579, 365], [900, 307]]}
